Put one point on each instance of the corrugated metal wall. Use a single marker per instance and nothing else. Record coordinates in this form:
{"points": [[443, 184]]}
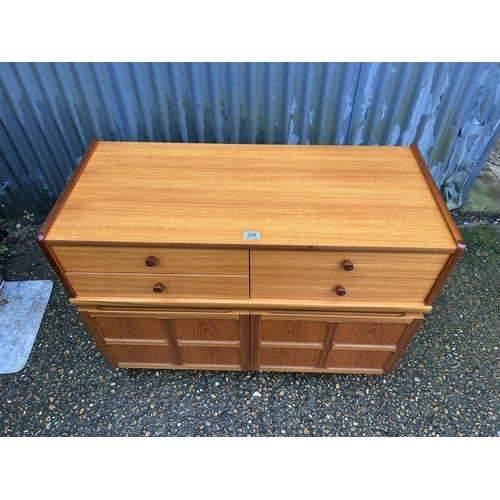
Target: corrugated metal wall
{"points": [[49, 112]]}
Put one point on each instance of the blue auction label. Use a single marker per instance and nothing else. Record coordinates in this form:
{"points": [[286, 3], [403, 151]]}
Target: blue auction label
{"points": [[251, 235]]}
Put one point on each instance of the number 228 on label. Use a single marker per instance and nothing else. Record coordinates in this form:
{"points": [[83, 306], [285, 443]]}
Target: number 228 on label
{"points": [[251, 235]]}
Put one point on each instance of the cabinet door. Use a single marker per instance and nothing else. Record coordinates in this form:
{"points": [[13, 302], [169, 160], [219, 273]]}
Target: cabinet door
{"points": [[327, 342], [212, 342], [194, 339]]}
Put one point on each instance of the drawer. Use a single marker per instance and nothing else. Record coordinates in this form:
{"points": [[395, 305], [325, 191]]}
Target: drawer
{"points": [[366, 264], [96, 259], [140, 286], [357, 289]]}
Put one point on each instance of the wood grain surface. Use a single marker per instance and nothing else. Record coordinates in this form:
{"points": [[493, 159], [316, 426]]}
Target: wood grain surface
{"points": [[354, 244], [314, 196], [365, 264], [100, 259], [357, 289], [349, 358], [369, 333], [133, 353], [174, 285], [125, 327]]}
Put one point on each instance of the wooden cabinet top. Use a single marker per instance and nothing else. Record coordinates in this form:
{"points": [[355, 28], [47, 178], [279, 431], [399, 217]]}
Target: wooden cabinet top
{"points": [[366, 197]]}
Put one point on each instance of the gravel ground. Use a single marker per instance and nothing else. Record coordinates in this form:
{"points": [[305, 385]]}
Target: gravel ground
{"points": [[446, 384]]}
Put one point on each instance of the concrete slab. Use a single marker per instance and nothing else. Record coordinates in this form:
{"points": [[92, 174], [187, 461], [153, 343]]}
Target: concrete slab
{"points": [[22, 305]]}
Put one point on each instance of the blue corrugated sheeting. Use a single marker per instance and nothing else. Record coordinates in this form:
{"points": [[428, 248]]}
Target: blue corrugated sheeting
{"points": [[49, 113]]}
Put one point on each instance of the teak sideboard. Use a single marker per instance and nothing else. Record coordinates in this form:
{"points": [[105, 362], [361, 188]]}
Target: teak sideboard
{"points": [[251, 257]]}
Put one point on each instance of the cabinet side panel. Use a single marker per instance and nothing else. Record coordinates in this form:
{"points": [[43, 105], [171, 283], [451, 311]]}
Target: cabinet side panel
{"points": [[98, 337], [50, 256], [455, 233], [405, 341], [445, 273], [56, 209]]}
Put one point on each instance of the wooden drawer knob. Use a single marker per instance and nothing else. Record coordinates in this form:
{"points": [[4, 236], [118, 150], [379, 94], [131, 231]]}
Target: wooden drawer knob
{"points": [[158, 288], [348, 265], [151, 261], [340, 291]]}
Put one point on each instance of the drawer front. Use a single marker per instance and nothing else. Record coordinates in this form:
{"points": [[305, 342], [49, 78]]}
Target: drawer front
{"points": [[357, 289], [174, 286], [365, 264], [166, 260]]}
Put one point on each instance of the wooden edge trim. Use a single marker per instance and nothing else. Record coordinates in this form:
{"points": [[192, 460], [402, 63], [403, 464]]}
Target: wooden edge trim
{"points": [[328, 344], [437, 195], [57, 268], [98, 337], [164, 312], [244, 329], [364, 347], [66, 191], [170, 366], [341, 318], [260, 304], [244, 247], [40, 238], [168, 330], [255, 320], [208, 343], [403, 344], [308, 369], [122, 341], [290, 345], [445, 273]]}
